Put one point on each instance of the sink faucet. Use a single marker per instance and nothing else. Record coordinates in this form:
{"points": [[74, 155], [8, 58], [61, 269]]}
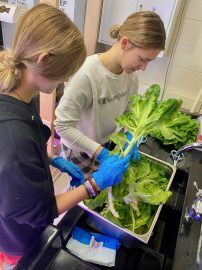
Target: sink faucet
{"points": [[195, 211], [188, 147]]}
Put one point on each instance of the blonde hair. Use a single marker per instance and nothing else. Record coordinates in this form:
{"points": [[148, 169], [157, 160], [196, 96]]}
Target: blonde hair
{"points": [[42, 29], [145, 29]]}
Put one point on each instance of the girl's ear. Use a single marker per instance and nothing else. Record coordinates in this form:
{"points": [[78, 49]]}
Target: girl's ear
{"points": [[125, 43], [42, 57]]}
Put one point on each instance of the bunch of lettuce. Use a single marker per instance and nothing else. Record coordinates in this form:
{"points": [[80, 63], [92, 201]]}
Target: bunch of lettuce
{"points": [[136, 198], [132, 204], [179, 131], [145, 116]]}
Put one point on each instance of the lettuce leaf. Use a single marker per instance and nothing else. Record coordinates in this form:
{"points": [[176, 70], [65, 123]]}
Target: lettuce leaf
{"points": [[179, 130]]}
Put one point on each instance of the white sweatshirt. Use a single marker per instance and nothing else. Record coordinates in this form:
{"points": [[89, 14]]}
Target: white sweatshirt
{"points": [[85, 116]]}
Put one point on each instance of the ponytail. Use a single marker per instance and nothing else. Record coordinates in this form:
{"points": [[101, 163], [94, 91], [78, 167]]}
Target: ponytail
{"points": [[10, 74], [114, 31]]}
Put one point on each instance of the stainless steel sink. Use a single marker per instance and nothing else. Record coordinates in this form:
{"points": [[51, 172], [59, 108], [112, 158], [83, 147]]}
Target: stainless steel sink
{"points": [[127, 237]]}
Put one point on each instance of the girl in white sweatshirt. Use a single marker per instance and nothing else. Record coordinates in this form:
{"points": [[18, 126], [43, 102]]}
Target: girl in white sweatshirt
{"points": [[101, 89]]}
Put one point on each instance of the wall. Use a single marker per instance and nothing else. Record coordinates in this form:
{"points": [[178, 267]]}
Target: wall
{"points": [[8, 29], [1, 37], [180, 72], [79, 14]]}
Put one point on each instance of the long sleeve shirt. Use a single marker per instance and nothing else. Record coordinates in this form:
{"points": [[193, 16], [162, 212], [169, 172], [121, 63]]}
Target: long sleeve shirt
{"points": [[94, 97], [27, 200]]}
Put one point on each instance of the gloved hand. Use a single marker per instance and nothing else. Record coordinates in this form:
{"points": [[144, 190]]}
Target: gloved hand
{"points": [[73, 170], [103, 155], [111, 171], [134, 153]]}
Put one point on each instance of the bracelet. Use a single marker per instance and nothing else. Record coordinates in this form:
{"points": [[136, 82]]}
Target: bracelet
{"points": [[93, 185], [89, 189]]}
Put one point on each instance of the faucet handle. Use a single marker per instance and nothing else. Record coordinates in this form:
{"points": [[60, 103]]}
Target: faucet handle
{"points": [[196, 185], [176, 157]]}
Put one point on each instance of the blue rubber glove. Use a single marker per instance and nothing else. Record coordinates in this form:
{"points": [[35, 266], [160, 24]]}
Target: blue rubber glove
{"points": [[134, 153], [111, 171], [103, 155], [73, 170]]}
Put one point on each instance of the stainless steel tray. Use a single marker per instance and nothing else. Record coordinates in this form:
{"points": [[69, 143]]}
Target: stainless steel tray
{"points": [[127, 237]]}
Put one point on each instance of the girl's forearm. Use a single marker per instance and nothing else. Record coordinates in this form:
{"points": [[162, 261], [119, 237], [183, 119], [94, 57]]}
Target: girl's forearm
{"points": [[69, 199]]}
